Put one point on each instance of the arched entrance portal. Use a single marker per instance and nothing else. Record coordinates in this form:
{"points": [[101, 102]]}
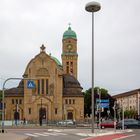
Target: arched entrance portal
{"points": [[42, 115], [70, 116], [16, 115]]}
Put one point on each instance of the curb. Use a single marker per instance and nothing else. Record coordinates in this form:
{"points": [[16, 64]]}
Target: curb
{"points": [[105, 133]]}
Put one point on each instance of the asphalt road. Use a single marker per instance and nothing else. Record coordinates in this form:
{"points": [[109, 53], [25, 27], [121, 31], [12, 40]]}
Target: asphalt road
{"points": [[69, 134], [45, 134], [135, 135]]}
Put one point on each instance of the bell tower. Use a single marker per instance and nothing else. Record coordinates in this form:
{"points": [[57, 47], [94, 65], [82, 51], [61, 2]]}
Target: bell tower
{"points": [[69, 52]]}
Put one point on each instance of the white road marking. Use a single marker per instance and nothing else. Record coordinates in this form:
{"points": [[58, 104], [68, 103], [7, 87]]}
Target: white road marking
{"points": [[32, 135], [55, 130], [61, 134], [40, 134], [125, 137], [44, 134], [82, 134], [53, 134]]}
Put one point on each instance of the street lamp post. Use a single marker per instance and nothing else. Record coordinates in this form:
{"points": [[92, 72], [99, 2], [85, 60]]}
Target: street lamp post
{"points": [[92, 7], [99, 93], [115, 116], [122, 117]]}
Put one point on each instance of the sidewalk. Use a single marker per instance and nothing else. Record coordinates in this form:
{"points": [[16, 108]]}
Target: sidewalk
{"points": [[11, 136], [102, 132], [81, 132]]}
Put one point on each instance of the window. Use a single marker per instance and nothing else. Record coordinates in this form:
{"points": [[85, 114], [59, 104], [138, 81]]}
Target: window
{"points": [[20, 101], [13, 101], [71, 71], [55, 110], [16, 101], [38, 89], [71, 67], [67, 63], [42, 82], [67, 70], [73, 101], [69, 101], [4, 105], [29, 110], [66, 101], [47, 86]]}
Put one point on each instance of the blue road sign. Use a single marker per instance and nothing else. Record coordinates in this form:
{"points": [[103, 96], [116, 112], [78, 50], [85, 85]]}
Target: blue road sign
{"points": [[102, 100], [30, 84], [103, 103]]}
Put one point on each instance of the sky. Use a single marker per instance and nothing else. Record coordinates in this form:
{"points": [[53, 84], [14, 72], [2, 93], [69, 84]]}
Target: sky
{"points": [[27, 24]]}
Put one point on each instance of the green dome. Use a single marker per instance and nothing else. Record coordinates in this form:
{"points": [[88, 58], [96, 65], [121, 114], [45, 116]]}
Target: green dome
{"points": [[56, 60], [69, 34]]}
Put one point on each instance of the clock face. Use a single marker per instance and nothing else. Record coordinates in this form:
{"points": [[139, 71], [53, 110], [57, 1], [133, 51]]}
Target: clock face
{"points": [[69, 47]]}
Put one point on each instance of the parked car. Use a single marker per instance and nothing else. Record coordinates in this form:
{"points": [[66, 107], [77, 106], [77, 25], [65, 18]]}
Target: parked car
{"points": [[65, 122], [129, 123], [107, 124]]}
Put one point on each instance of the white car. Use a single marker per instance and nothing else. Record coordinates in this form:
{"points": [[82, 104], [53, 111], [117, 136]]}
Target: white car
{"points": [[65, 122]]}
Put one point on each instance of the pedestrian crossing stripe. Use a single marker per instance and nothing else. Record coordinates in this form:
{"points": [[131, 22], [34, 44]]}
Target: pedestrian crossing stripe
{"points": [[54, 130], [40, 134], [53, 134], [45, 134], [32, 135]]}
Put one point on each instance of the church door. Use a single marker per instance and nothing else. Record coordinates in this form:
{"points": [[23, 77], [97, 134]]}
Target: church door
{"points": [[70, 116], [42, 115], [16, 116]]}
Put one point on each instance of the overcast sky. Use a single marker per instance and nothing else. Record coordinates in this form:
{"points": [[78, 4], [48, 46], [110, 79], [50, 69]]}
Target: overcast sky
{"points": [[27, 24]]}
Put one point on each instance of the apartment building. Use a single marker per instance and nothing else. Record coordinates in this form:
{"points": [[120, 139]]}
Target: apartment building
{"points": [[129, 100]]}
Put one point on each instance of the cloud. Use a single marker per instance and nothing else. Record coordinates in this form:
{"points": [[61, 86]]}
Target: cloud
{"points": [[25, 25]]}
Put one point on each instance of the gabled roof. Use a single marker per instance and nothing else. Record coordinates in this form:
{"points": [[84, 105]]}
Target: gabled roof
{"points": [[17, 91], [128, 93]]}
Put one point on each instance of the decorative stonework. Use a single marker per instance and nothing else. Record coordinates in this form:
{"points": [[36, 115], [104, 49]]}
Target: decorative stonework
{"points": [[51, 89], [42, 72]]}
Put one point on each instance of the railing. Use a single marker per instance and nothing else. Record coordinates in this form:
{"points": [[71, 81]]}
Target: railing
{"points": [[45, 123]]}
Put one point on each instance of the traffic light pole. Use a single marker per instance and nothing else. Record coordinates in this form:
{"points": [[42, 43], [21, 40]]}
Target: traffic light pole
{"points": [[3, 97]]}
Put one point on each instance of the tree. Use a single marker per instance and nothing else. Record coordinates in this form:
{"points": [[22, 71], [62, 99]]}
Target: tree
{"points": [[0, 94], [129, 113], [0, 104], [104, 95], [87, 102]]}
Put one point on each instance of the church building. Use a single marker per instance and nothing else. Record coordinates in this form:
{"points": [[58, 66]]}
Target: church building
{"points": [[49, 90]]}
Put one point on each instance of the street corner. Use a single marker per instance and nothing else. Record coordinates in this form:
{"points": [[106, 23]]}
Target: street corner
{"points": [[13, 136], [108, 137]]}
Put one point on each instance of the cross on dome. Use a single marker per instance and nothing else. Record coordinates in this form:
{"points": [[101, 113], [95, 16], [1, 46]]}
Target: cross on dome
{"points": [[69, 24]]}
